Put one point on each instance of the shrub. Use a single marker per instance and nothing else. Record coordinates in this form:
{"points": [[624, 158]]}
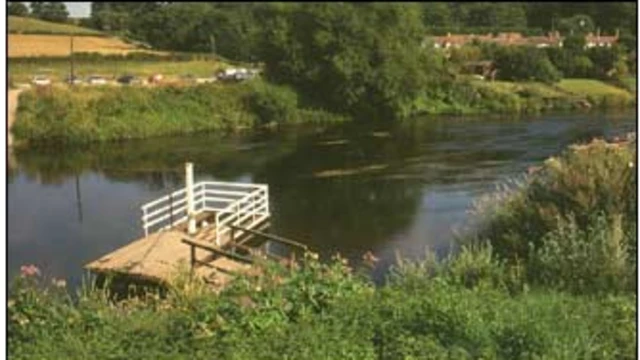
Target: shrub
{"points": [[274, 104], [592, 260], [525, 63]]}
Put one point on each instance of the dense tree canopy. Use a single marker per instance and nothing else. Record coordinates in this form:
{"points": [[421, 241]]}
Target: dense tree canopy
{"points": [[50, 11], [17, 9]]}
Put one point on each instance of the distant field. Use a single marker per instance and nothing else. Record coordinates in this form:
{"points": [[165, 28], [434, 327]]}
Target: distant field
{"points": [[20, 72], [59, 45], [22, 25]]}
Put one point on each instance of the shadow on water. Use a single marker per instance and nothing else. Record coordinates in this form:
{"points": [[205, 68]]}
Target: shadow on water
{"points": [[345, 188]]}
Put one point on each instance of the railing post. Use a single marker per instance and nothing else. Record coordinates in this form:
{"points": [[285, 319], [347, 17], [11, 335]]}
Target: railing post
{"points": [[217, 229], [144, 221], [191, 227], [193, 259]]}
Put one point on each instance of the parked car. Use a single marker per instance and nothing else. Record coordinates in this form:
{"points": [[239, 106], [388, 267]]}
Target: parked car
{"points": [[96, 80], [128, 80], [41, 80]]}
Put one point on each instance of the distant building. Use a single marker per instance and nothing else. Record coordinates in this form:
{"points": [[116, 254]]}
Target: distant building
{"points": [[517, 39], [600, 41]]}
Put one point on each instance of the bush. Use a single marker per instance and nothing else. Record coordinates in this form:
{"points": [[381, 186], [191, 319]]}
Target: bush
{"points": [[542, 217], [320, 311], [597, 259], [525, 63], [274, 104]]}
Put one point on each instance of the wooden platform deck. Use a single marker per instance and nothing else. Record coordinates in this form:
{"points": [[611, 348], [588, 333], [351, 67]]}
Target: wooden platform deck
{"points": [[159, 256]]}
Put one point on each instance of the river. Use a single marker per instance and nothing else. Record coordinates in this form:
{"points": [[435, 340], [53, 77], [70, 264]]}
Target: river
{"points": [[348, 188]]}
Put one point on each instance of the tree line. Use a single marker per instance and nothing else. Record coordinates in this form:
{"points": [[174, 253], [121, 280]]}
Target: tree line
{"points": [[49, 11]]}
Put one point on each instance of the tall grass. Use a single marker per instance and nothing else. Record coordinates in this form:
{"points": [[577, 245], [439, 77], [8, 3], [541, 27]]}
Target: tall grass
{"points": [[573, 220], [79, 115], [324, 311]]}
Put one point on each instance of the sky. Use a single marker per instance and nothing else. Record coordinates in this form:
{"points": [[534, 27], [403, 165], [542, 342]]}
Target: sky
{"points": [[77, 9]]}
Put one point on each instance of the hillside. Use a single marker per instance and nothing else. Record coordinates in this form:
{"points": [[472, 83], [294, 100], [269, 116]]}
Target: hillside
{"points": [[22, 25], [58, 45]]}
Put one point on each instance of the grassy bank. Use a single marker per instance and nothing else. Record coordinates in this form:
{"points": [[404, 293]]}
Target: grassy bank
{"points": [[85, 114], [475, 304], [536, 97], [25, 25], [458, 309]]}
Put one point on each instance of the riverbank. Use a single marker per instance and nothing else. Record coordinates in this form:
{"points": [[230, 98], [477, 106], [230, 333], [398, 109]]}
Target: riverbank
{"points": [[12, 107], [476, 303], [87, 114]]}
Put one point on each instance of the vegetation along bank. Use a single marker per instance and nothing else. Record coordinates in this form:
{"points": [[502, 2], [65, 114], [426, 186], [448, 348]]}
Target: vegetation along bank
{"points": [[551, 276]]}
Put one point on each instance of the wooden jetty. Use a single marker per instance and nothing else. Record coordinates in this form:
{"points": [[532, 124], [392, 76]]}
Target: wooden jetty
{"points": [[205, 226]]}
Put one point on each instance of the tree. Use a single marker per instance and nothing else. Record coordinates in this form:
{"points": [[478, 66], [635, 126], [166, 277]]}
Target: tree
{"points": [[364, 59], [576, 25], [525, 63], [17, 9], [50, 11]]}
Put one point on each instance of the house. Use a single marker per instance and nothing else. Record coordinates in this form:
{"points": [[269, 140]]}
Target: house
{"points": [[517, 39], [600, 40]]}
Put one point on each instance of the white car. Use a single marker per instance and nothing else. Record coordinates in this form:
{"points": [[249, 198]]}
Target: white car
{"points": [[41, 80], [96, 80]]}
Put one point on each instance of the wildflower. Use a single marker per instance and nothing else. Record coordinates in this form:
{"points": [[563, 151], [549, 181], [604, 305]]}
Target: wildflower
{"points": [[29, 270], [59, 282], [312, 255], [631, 164], [369, 258]]}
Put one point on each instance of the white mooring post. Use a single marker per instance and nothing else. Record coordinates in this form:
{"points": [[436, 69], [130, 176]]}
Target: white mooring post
{"points": [[191, 227]]}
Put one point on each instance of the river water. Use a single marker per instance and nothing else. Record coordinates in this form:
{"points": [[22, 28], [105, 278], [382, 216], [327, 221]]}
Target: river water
{"points": [[349, 188]]}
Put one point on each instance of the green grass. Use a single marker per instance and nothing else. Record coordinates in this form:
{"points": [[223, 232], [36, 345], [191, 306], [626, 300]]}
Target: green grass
{"points": [[58, 70], [457, 309], [589, 87], [630, 83], [23, 25], [597, 92], [88, 113]]}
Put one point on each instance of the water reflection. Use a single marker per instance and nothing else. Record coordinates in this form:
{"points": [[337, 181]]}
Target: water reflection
{"points": [[347, 188]]}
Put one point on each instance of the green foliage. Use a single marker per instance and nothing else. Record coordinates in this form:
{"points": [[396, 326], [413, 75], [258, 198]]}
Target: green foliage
{"points": [[331, 49], [578, 213], [17, 9], [525, 63], [578, 24], [80, 114], [274, 104], [596, 259], [49, 11], [449, 309]]}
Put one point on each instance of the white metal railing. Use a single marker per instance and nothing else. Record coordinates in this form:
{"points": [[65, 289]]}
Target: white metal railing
{"points": [[233, 203]]}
